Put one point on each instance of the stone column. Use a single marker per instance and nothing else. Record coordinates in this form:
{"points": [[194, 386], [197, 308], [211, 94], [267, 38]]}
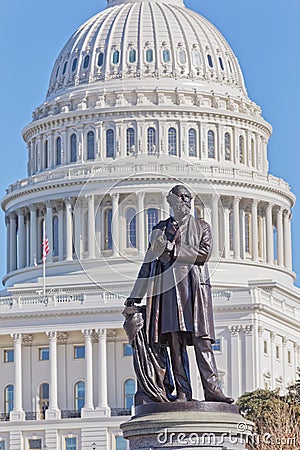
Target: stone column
{"points": [[215, 226], [236, 228], [53, 412], [60, 231], [18, 412], [226, 209], [49, 230], [235, 360], [91, 226], [78, 230], [279, 224], [287, 240], [69, 230], [21, 240], [7, 222], [273, 357], [115, 224], [250, 360], [141, 222], [33, 235], [284, 360], [88, 406], [260, 350], [254, 230], [102, 371], [13, 242], [270, 235]]}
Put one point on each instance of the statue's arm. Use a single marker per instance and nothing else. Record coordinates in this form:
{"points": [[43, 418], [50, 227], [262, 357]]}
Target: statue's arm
{"points": [[191, 254]]}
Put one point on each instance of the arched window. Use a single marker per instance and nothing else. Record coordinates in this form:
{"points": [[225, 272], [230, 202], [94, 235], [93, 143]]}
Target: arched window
{"points": [[100, 59], [74, 64], [90, 140], [129, 391], [230, 66], [79, 395], [192, 142], [149, 55], [241, 150], [196, 58], [65, 67], [181, 56], [46, 154], [44, 397], [227, 147], [247, 223], [211, 151], [166, 56], [57, 71], [210, 61], [107, 229], [55, 235], [221, 63], [231, 230], [110, 143], [8, 399], [73, 145], [130, 141], [132, 56], [152, 219], [131, 228], [252, 153], [86, 61], [151, 141], [172, 141], [58, 151], [116, 57]]}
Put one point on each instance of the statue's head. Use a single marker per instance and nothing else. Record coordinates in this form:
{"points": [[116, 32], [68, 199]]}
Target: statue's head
{"points": [[180, 198]]}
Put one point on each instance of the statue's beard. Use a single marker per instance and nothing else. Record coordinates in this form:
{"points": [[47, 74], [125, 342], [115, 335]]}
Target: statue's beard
{"points": [[181, 210]]}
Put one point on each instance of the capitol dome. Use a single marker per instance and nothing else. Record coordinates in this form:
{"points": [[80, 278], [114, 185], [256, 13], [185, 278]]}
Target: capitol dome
{"points": [[146, 41]]}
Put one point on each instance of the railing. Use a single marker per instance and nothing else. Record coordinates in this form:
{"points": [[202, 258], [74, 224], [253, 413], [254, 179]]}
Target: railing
{"points": [[120, 171], [120, 412], [32, 415], [70, 414], [4, 417], [41, 300]]}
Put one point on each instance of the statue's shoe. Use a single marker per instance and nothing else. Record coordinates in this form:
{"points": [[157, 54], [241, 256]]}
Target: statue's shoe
{"points": [[218, 396]]}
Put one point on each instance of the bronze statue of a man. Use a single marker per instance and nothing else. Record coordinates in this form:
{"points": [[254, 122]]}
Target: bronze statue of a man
{"points": [[175, 277]]}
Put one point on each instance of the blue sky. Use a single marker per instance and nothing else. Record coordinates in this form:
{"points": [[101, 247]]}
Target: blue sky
{"points": [[264, 34]]}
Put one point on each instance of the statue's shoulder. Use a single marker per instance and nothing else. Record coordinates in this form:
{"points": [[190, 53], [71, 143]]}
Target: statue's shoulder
{"points": [[161, 224], [202, 224]]}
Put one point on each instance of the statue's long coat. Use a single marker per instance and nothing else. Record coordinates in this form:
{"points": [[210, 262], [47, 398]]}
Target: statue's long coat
{"points": [[178, 289]]}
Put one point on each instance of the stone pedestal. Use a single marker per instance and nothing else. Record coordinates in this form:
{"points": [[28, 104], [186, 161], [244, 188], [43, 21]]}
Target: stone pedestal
{"points": [[193, 425]]}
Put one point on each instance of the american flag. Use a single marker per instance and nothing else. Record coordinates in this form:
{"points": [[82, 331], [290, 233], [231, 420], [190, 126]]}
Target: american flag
{"points": [[46, 249]]}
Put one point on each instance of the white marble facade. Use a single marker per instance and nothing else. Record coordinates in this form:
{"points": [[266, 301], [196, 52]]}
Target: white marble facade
{"points": [[144, 95]]}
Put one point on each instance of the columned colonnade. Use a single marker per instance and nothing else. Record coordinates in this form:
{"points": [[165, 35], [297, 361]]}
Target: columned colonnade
{"points": [[243, 228], [53, 412]]}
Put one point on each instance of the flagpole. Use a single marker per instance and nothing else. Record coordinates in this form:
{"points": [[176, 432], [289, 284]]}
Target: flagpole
{"points": [[44, 258]]}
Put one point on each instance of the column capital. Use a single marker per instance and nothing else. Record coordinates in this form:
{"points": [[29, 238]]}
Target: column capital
{"points": [[248, 329], [272, 336], [20, 211], [237, 199], [62, 338], [17, 337], [114, 195], [27, 340], [102, 333], [287, 214], [260, 330], [52, 335], [270, 206], [111, 335], [12, 215], [88, 333], [234, 330], [284, 341], [140, 195], [254, 203], [32, 208]]}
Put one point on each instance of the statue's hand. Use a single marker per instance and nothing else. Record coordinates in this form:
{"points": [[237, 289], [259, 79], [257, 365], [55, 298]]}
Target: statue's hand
{"points": [[131, 301], [158, 242]]}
